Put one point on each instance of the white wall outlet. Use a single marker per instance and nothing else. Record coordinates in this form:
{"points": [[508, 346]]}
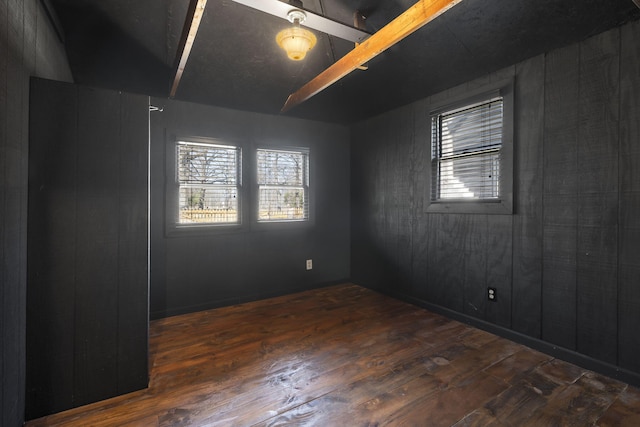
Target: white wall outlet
{"points": [[492, 294], [309, 264]]}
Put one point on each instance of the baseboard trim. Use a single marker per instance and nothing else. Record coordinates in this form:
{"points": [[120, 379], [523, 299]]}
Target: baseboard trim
{"points": [[562, 353]]}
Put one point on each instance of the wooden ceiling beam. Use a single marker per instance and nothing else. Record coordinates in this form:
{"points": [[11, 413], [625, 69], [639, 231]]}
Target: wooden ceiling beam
{"points": [[414, 18], [189, 31]]}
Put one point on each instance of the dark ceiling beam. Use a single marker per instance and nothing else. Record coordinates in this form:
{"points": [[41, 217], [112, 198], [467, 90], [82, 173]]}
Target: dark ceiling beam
{"points": [[414, 18], [189, 31]]}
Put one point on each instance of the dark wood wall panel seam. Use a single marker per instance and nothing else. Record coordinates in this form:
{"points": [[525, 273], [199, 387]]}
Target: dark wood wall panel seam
{"points": [[628, 225], [599, 132], [618, 202], [542, 154], [579, 76]]}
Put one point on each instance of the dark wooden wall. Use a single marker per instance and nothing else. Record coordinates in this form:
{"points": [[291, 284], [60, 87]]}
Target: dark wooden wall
{"points": [[197, 271], [87, 276], [566, 263], [28, 46]]}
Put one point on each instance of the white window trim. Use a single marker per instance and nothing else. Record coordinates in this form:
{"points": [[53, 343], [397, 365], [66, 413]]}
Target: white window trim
{"points": [[504, 205]]}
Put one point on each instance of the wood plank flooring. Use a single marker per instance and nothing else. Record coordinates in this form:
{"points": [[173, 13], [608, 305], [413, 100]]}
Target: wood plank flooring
{"points": [[348, 356]]}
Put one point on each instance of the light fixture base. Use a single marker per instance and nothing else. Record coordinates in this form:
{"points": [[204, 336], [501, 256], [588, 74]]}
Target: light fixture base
{"points": [[296, 16]]}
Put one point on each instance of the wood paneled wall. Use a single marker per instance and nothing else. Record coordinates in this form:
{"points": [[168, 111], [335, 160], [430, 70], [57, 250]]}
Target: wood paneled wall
{"points": [[566, 263], [87, 294], [196, 271], [28, 46]]}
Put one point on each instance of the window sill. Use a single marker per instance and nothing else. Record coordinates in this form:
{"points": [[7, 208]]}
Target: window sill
{"points": [[498, 207], [184, 230]]}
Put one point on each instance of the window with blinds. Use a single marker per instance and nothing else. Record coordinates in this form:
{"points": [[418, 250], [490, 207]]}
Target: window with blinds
{"points": [[209, 178], [466, 148], [283, 185]]}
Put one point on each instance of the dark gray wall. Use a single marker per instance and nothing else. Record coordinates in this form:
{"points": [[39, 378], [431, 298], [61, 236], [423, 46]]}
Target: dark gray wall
{"points": [[199, 271], [87, 246], [566, 263], [28, 46]]}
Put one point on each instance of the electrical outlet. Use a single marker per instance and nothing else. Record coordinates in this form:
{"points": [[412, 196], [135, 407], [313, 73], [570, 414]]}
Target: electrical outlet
{"points": [[309, 264], [492, 294]]}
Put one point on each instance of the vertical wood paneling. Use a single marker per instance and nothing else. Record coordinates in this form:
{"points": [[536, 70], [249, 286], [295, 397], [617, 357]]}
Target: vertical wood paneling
{"points": [[20, 33], [420, 161], [88, 314], [390, 182], [6, 358], [51, 248], [566, 261], [381, 199], [499, 268], [97, 245], [446, 264], [405, 202], [367, 253], [475, 272], [14, 153], [527, 221], [597, 197], [560, 197], [30, 19], [133, 317], [629, 215]]}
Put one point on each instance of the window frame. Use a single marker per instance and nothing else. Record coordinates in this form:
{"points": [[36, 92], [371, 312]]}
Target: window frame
{"points": [[172, 189], [287, 223], [503, 205]]}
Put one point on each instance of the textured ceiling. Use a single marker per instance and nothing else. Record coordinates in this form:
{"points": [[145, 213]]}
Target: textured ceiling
{"points": [[235, 62]]}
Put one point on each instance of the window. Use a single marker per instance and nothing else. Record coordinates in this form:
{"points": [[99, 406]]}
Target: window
{"points": [[466, 152], [471, 155], [209, 180], [283, 185]]}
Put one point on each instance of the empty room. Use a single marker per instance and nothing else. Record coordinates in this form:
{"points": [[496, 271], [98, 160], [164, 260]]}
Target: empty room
{"points": [[319, 213]]}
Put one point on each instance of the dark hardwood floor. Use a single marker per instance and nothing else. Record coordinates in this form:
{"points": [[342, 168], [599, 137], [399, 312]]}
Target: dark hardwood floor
{"points": [[348, 356]]}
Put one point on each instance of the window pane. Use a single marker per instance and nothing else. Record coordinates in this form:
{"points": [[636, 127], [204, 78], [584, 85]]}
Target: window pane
{"points": [[466, 147], [471, 129], [209, 177], [281, 167], [283, 185], [282, 203], [207, 164], [211, 204], [476, 177]]}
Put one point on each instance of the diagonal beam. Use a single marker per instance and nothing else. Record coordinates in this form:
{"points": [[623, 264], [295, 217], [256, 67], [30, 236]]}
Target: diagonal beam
{"points": [[414, 18], [189, 31]]}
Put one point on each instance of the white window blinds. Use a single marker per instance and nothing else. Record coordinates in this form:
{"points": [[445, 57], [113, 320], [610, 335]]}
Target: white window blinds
{"points": [[283, 185], [466, 144], [209, 177]]}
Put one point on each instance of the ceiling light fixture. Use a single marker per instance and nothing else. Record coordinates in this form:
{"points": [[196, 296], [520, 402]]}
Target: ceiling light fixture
{"points": [[294, 40]]}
